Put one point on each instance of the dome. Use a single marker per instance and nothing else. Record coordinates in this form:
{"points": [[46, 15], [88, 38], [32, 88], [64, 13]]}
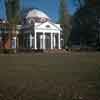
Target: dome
{"points": [[37, 13], [37, 16]]}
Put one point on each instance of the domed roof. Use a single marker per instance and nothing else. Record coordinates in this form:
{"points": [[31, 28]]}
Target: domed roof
{"points": [[35, 13]]}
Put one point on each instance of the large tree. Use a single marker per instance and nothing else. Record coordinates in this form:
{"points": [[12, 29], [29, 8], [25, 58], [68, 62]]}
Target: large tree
{"points": [[86, 23], [64, 20], [13, 11]]}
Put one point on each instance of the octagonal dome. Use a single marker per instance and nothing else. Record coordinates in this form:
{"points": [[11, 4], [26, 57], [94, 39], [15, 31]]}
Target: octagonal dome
{"points": [[36, 16]]}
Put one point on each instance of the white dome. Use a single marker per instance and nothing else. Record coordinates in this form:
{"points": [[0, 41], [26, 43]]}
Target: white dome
{"points": [[36, 14]]}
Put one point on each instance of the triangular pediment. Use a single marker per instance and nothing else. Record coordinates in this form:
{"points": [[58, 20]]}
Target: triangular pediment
{"points": [[48, 26]]}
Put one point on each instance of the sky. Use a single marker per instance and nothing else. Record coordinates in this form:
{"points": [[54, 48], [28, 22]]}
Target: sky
{"points": [[51, 7]]}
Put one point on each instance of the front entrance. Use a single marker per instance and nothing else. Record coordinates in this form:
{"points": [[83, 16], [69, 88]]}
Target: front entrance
{"points": [[39, 40], [48, 40], [56, 41]]}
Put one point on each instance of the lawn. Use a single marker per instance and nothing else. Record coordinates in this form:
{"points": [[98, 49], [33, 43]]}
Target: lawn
{"points": [[50, 77]]}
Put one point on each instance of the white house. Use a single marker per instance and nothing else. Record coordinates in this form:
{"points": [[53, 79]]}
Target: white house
{"points": [[40, 32]]}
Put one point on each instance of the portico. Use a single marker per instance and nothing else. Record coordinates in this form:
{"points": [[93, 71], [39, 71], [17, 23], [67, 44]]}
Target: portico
{"points": [[41, 32], [47, 36], [47, 40]]}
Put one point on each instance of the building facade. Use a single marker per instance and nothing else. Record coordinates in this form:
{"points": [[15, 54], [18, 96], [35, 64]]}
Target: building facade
{"points": [[39, 32], [9, 35], [36, 32]]}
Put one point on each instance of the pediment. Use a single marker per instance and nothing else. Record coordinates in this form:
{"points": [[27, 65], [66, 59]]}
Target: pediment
{"points": [[48, 26]]}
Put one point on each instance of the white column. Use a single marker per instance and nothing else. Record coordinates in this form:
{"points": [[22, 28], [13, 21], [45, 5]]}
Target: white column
{"points": [[59, 43], [31, 38], [51, 40], [54, 41], [43, 40], [35, 40], [14, 42]]}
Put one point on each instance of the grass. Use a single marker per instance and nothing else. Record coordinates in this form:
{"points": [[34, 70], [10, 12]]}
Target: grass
{"points": [[50, 77]]}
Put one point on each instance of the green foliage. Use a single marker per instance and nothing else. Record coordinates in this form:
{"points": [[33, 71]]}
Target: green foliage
{"points": [[13, 11], [64, 20], [85, 28]]}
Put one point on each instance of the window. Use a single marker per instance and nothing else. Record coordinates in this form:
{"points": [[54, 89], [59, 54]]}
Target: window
{"points": [[48, 26]]}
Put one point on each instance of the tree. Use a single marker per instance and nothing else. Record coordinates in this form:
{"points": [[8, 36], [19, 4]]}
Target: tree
{"points": [[13, 11], [86, 23], [64, 20]]}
